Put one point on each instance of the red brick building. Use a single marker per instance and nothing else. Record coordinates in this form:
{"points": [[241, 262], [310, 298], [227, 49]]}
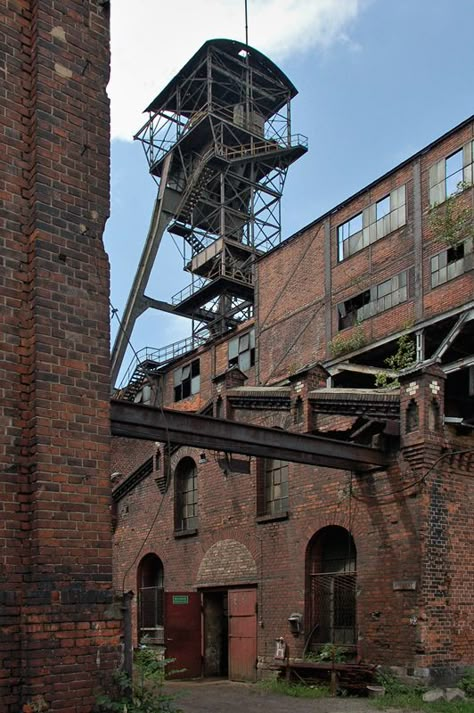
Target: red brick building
{"points": [[379, 562], [59, 631]]}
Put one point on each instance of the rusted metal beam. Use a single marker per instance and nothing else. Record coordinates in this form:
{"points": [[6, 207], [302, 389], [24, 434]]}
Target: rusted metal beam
{"points": [[166, 425]]}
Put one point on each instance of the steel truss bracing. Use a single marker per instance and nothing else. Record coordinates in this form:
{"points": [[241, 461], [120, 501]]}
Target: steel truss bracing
{"points": [[219, 142]]}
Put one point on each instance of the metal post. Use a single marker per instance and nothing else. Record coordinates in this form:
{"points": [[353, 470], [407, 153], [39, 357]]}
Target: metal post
{"points": [[127, 634]]}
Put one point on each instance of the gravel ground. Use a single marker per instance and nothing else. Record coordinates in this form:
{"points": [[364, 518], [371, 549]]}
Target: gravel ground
{"points": [[229, 697]]}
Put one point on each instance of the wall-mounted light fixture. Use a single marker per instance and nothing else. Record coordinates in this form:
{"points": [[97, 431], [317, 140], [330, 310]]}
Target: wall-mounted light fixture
{"points": [[202, 458]]}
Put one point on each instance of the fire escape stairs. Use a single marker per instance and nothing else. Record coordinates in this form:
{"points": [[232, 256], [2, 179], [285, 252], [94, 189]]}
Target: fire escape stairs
{"points": [[137, 379]]}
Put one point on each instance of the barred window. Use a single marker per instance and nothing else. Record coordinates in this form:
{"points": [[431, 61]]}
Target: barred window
{"points": [[150, 587], [331, 588], [186, 496]]}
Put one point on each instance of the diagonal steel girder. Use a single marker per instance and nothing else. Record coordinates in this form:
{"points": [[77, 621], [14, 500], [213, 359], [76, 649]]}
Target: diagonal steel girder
{"points": [[177, 427]]}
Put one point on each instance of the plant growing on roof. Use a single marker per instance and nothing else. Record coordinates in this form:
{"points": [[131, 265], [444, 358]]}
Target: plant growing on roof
{"points": [[451, 221], [342, 344], [400, 360]]}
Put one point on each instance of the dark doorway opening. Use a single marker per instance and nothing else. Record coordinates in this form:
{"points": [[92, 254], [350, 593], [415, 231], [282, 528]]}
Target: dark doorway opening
{"points": [[216, 634]]}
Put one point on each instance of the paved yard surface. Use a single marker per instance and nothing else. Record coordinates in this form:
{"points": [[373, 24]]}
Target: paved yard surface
{"points": [[230, 697]]}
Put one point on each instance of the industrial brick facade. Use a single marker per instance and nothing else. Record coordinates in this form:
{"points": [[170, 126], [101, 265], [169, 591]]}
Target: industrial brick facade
{"points": [[410, 526], [58, 628]]}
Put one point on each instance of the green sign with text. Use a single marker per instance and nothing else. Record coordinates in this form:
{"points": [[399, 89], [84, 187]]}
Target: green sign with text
{"points": [[180, 599]]}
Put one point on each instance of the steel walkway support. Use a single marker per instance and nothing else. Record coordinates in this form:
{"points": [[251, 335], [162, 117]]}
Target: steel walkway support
{"points": [[169, 426]]}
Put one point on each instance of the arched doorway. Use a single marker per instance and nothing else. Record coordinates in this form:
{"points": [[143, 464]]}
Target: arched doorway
{"points": [[331, 588], [150, 586]]}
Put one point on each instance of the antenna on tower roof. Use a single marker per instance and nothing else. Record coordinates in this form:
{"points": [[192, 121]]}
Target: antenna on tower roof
{"points": [[246, 24]]}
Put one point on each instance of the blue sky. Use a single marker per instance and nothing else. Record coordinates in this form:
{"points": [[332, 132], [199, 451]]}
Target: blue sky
{"points": [[377, 81]]}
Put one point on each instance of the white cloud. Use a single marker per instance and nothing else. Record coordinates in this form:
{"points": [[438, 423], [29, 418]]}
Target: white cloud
{"points": [[152, 39]]}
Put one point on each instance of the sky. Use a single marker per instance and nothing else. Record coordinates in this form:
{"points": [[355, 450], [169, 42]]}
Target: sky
{"points": [[377, 79]]}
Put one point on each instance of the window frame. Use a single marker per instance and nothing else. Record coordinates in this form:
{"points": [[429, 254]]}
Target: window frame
{"points": [[186, 496], [273, 488], [372, 226], [241, 351]]}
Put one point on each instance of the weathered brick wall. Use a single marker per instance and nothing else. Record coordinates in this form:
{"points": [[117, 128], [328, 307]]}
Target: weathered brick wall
{"points": [[59, 636], [385, 531]]}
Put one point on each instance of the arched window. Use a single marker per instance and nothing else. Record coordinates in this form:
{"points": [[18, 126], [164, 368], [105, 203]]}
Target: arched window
{"points": [[412, 418], [331, 587], [186, 503], [298, 414], [434, 420], [150, 586]]}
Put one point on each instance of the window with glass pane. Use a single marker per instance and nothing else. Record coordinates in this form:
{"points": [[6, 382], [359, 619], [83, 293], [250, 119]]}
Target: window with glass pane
{"points": [[382, 208], [186, 502], [345, 231], [276, 486]]}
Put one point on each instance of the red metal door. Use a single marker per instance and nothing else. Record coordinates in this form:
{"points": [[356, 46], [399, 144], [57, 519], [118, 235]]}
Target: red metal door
{"points": [[242, 634], [183, 632]]}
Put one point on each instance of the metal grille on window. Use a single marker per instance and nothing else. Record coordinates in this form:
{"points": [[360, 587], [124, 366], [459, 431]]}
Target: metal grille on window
{"points": [[333, 596], [331, 588], [150, 610], [150, 599]]}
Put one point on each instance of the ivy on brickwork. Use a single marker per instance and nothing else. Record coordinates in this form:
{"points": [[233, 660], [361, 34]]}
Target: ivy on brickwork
{"points": [[452, 222], [401, 359], [342, 344]]}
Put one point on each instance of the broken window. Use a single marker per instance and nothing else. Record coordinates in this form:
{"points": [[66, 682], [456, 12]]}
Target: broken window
{"points": [[187, 380], [351, 229], [387, 294], [375, 221], [448, 175], [450, 263], [242, 351], [186, 502], [331, 571], [150, 585]]}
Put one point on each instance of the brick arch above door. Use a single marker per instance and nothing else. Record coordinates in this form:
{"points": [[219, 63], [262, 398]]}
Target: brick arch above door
{"points": [[226, 562]]}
